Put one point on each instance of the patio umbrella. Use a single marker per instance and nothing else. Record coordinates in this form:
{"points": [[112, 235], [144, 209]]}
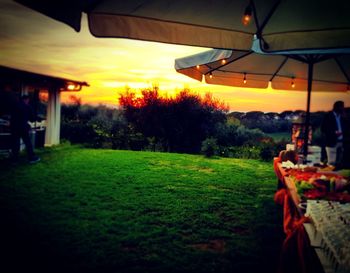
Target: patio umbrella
{"points": [[277, 25], [303, 72]]}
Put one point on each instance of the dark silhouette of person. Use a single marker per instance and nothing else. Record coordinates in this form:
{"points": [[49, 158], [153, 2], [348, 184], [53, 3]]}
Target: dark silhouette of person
{"points": [[21, 114], [346, 140], [332, 128]]}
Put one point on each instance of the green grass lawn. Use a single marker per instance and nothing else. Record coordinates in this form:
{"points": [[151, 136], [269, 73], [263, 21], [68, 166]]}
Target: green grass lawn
{"points": [[86, 210]]}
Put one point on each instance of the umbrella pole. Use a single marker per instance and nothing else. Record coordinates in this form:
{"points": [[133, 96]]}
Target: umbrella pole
{"points": [[307, 118]]}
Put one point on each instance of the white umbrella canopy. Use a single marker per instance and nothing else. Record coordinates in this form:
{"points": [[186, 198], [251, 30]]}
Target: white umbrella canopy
{"points": [[303, 72], [248, 69], [278, 25]]}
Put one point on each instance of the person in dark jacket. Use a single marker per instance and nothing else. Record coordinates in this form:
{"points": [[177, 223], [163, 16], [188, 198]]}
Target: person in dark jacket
{"points": [[332, 129], [21, 114]]}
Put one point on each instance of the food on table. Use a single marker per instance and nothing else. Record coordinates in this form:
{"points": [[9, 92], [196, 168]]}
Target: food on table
{"points": [[328, 168], [288, 164], [310, 169], [303, 186], [314, 185], [344, 172], [289, 156]]}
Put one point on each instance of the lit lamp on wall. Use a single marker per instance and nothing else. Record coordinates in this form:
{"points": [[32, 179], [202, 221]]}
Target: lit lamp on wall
{"points": [[71, 86]]}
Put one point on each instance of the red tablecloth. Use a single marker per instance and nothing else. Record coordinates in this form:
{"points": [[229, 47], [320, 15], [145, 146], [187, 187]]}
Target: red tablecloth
{"points": [[291, 215], [278, 173], [297, 255]]}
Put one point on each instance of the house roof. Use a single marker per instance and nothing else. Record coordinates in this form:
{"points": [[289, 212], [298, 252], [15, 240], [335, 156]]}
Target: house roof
{"points": [[16, 76]]}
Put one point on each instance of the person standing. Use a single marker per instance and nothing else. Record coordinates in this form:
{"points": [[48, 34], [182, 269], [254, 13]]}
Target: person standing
{"points": [[332, 129], [21, 114]]}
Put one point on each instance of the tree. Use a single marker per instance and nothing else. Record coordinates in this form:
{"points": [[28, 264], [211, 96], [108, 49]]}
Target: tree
{"points": [[180, 124]]}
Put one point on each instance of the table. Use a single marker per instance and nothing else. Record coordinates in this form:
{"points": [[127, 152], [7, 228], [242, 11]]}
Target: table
{"points": [[293, 216]]}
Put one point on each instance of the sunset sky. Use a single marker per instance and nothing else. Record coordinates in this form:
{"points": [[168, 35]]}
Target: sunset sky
{"points": [[34, 42]]}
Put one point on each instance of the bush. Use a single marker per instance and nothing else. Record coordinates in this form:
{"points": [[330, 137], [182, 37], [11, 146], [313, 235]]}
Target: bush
{"points": [[245, 151], [265, 149], [210, 147], [97, 127], [77, 132], [271, 149], [267, 152], [136, 141]]}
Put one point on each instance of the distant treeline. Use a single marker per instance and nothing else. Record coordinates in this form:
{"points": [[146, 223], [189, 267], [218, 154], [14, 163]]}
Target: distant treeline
{"points": [[276, 122]]}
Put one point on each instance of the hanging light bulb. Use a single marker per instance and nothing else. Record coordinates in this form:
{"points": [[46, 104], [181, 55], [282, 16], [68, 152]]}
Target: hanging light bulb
{"points": [[223, 61], [292, 83], [245, 78], [210, 75], [247, 16], [197, 66]]}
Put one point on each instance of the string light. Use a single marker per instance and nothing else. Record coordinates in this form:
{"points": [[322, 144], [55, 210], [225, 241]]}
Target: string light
{"points": [[210, 75], [247, 16], [245, 78], [197, 66], [223, 61], [293, 84]]}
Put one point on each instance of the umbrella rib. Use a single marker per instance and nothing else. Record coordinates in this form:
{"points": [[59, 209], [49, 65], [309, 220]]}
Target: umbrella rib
{"points": [[227, 63], [299, 58], [342, 69], [259, 30], [324, 57], [312, 58], [255, 15], [267, 18], [279, 68]]}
